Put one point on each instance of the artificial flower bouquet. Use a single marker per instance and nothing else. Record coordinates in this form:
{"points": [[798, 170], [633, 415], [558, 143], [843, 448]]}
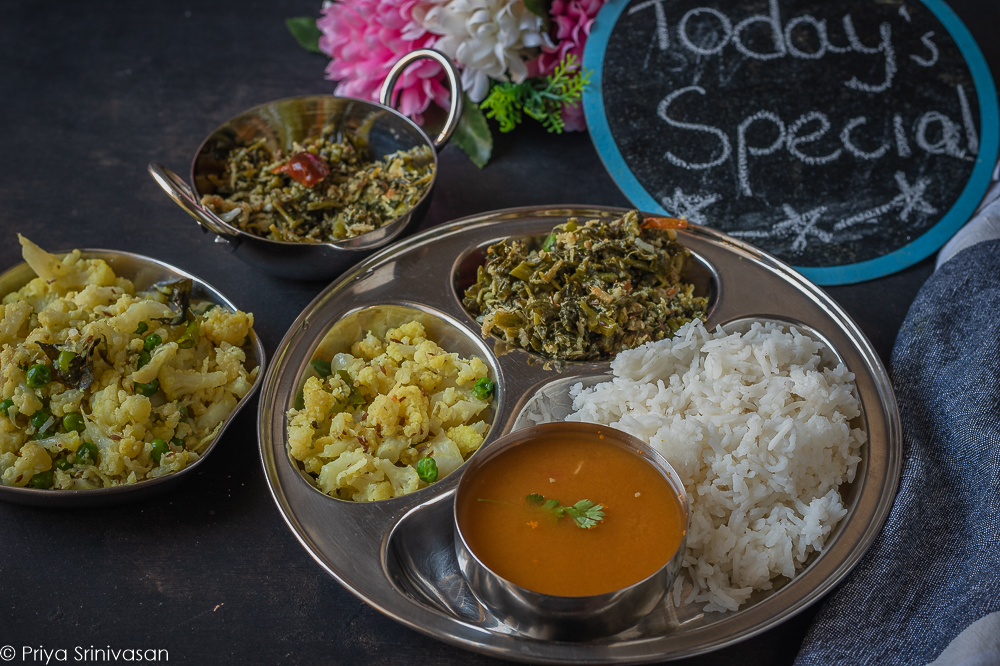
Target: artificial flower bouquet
{"points": [[517, 58]]}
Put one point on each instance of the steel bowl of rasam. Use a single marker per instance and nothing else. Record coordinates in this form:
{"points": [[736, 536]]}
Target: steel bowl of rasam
{"points": [[570, 531], [306, 187]]}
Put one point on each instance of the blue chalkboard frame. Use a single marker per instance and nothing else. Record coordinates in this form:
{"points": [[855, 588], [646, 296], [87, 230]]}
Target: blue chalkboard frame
{"points": [[911, 253]]}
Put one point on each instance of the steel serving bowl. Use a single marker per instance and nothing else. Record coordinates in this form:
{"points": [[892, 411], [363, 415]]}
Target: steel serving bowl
{"points": [[383, 129], [558, 618], [143, 272]]}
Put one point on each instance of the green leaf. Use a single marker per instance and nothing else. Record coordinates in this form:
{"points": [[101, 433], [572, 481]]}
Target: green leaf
{"points": [[304, 29], [473, 134], [538, 7], [586, 513]]}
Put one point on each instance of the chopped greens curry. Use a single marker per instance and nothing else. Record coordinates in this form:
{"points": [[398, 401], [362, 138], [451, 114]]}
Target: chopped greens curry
{"points": [[324, 190], [589, 290]]}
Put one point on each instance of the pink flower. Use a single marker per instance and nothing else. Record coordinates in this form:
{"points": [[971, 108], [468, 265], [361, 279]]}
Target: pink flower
{"points": [[365, 38], [572, 20]]}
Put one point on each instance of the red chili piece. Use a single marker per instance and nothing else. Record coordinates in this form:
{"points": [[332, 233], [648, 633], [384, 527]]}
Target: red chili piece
{"points": [[305, 168]]}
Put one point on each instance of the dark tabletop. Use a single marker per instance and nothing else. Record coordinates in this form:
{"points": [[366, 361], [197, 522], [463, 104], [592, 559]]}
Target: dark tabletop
{"points": [[90, 92]]}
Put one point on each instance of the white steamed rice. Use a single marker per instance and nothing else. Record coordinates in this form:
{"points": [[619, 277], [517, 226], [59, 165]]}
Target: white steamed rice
{"points": [[757, 427]]}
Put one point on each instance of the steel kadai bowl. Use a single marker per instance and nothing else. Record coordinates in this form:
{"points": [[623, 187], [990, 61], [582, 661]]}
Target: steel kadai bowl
{"points": [[399, 555], [144, 272], [382, 129]]}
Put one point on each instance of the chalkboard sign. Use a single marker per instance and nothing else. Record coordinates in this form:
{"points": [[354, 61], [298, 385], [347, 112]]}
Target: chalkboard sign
{"points": [[851, 138]]}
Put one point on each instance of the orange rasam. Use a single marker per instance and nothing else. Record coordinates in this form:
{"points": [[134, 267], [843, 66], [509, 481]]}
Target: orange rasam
{"points": [[529, 545]]}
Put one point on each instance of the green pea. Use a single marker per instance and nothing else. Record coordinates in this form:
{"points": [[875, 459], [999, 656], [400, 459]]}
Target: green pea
{"points": [[42, 480], [86, 454], [152, 342], [65, 360], [322, 367], [177, 441], [148, 390], [483, 388], [39, 375], [427, 470], [73, 421], [5, 407], [141, 328], [39, 418], [159, 448], [144, 357], [63, 464]]}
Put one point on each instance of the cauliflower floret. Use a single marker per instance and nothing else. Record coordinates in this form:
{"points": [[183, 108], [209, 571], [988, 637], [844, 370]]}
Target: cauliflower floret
{"points": [[373, 380], [404, 479], [33, 460], [391, 447], [340, 472], [221, 325], [410, 333], [139, 310], [371, 487], [471, 370], [64, 402], [216, 413], [10, 442], [161, 355], [93, 297], [176, 383], [318, 402], [113, 407], [173, 462], [13, 317], [429, 354], [452, 407], [63, 441], [466, 438], [70, 272], [25, 400], [368, 348], [445, 453], [230, 360], [403, 410]]}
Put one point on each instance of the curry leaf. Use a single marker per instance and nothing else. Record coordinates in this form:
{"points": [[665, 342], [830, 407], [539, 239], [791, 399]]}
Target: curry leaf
{"points": [[473, 134], [179, 293], [305, 32], [78, 373]]}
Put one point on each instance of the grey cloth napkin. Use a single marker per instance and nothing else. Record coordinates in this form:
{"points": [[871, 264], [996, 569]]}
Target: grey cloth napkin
{"points": [[929, 588]]}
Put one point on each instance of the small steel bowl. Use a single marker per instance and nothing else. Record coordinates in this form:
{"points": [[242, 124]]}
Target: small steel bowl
{"points": [[382, 128], [551, 617], [143, 272]]}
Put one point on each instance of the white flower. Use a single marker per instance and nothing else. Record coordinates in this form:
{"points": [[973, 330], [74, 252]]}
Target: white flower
{"points": [[486, 37]]}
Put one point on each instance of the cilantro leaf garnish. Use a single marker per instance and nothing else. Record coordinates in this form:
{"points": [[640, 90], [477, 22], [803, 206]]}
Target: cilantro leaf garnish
{"points": [[585, 513]]}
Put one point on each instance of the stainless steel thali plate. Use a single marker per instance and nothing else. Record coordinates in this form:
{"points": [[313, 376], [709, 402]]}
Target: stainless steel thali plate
{"points": [[398, 554]]}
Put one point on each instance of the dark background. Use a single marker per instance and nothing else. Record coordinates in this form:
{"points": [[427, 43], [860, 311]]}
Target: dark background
{"points": [[90, 92]]}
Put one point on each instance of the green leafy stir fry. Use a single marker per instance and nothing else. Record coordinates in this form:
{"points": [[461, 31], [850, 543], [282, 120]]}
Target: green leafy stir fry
{"points": [[584, 513], [324, 190], [589, 291]]}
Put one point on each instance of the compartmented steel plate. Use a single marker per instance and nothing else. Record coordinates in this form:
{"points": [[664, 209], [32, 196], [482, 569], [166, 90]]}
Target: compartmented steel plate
{"points": [[398, 554]]}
